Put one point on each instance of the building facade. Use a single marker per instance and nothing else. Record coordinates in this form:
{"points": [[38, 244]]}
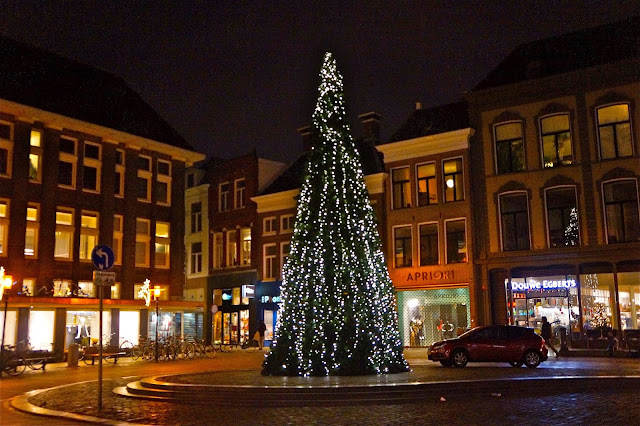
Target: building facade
{"points": [[555, 183], [84, 161]]}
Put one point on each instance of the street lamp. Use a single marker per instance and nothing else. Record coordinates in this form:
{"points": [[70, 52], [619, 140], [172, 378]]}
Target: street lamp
{"points": [[6, 281], [156, 296]]}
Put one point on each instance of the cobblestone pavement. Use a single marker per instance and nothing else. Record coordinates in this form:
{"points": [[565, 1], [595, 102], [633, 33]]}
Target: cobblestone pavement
{"points": [[607, 406]]}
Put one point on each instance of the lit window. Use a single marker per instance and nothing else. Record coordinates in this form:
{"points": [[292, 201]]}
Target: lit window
{"points": [[286, 223], [621, 210], [31, 233], [6, 148], [270, 267], [120, 173], [453, 180], [239, 193], [223, 197], [428, 244], [162, 243], [245, 238], [402, 246], [614, 131], [117, 239], [218, 252], [562, 217], [269, 226], [196, 217], [456, 240], [400, 188], [143, 241], [509, 147], [91, 166], [427, 187], [163, 183], [144, 178], [196, 258], [232, 248], [514, 220], [556, 141], [4, 226], [35, 156], [88, 234], [67, 162], [64, 234]]}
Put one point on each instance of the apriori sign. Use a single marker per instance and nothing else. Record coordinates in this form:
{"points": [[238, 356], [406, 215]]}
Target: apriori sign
{"points": [[430, 276]]}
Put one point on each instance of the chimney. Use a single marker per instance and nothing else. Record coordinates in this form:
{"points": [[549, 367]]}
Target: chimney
{"points": [[418, 105], [370, 125], [305, 132]]}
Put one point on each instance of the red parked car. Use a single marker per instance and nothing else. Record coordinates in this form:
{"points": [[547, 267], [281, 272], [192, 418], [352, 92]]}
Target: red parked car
{"points": [[498, 343]]}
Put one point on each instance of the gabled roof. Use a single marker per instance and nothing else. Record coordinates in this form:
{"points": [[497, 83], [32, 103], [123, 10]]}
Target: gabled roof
{"points": [[568, 52], [432, 121], [40, 79]]}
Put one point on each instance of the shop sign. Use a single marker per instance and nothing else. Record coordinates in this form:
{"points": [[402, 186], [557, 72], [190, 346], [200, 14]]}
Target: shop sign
{"points": [[249, 291], [430, 276], [544, 285], [227, 295], [271, 299]]}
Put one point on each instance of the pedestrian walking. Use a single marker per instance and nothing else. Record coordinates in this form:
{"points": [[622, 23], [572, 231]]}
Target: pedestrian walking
{"points": [[261, 329], [545, 332]]}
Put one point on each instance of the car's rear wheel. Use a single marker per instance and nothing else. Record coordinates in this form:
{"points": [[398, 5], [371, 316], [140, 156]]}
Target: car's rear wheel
{"points": [[517, 364], [532, 359], [459, 358], [445, 363]]}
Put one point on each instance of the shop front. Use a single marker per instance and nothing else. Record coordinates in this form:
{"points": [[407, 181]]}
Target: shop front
{"points": [[231, 310], [269, 302]]}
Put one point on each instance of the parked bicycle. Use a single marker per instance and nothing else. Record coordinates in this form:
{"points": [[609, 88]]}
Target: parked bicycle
{"points": [[11, 361]]}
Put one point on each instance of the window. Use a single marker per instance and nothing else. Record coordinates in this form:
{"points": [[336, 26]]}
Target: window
{"points": [[453, 180], [67, 162], [6, 148], [223, 197], [218, 252], [402, 246], [4, 226], [119, 175], [191, 180], [144, 178], [162, 244], [196, 258], [117, 239], [163, 184], [428, 244], [270, 253], [514, 218], [91, 167], [239, 193], [31, 233], [35, 156], [64, 234], [556, 141], [509, 147], [269, 226], [286, 223], [614, 131], [245, 247], [456, 231], [427, 188], [400, 188], [232, 248], [285, 249], [562, 217], [621, 211], [196, 217], [143, 241], [88, 234]]}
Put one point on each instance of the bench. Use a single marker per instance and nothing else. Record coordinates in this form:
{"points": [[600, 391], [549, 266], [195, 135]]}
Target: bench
{"points": [[108, 354], [38, 360]]}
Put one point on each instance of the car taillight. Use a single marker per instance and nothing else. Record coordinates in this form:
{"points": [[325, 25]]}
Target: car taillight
{"points": [[542, 343]]}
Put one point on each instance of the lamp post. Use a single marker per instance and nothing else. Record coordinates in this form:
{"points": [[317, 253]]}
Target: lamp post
{"points": [[6, 281], [156, 295]]}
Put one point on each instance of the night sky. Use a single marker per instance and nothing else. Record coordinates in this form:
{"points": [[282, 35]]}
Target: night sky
{"points": [[230, 75]]}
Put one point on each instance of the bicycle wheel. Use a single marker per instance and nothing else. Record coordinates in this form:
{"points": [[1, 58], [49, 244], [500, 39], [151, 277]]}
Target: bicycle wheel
{"points": [[127, 347], [35, 364], [226, 347], [148, 353], [210, 351], [13, 365], [621, 349], [136, 352]]}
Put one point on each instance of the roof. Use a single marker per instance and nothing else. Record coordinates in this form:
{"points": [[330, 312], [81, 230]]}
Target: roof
{"points": [[41, 79], [431, 121], [291, 177], [586, 48]]}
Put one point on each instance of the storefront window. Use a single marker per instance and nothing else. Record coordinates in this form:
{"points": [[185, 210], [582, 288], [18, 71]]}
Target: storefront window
{"points": [[10, 328], [170, 324], [597, 302], [41, 329], [129, 326], [82, 327], [629, 295], [426, 316], [217, 328], [269, 322]]}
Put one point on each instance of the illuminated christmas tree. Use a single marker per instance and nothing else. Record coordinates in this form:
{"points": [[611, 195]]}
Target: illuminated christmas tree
{"points": [[571, 236], [599, 317], [338, 313]]}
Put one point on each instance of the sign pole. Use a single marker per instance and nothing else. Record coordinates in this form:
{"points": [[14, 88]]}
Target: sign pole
{"points": [[100, 351]]}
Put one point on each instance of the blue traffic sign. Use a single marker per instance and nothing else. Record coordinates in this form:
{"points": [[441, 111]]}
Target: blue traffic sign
{"points": [[102, 257]]}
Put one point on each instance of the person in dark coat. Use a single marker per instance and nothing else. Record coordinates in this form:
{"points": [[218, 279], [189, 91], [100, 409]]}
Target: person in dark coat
{"points": [[545, 332], [261, 330]]}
